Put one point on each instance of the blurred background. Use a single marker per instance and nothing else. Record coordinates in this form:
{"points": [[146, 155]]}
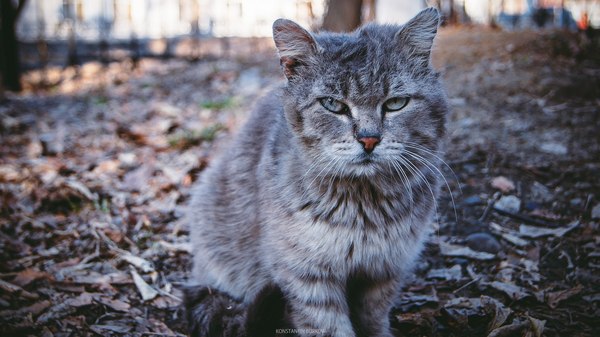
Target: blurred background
{"points": [[37, 33], [110, 109]]}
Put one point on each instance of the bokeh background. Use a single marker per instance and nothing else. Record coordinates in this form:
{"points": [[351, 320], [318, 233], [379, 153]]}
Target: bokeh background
{"points": [[110, 109]]}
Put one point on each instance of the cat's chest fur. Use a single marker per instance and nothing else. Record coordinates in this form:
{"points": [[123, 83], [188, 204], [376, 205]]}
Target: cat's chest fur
{"points": [[346, 226]]}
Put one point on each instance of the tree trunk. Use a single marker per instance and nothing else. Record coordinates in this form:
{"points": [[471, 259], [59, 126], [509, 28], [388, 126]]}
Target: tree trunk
{"points": [[342, 15], [10, 68]]}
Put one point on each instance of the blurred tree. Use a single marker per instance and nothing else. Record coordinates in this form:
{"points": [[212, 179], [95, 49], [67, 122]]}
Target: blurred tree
{"points": [[342, 15], [10, 69]]}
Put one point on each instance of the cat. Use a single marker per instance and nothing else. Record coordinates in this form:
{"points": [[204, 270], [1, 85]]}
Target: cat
{"points": [[326, 195]]}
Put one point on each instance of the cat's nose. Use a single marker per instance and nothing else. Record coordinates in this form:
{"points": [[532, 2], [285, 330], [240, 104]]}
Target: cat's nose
{"points": [[369, 142]]}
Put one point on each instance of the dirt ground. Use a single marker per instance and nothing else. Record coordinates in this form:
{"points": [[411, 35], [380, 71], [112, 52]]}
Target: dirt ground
{"points": [[96, 164]]}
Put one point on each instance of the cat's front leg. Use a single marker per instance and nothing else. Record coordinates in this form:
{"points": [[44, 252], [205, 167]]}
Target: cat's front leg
{"points": [[319, 308], [374, 308]]}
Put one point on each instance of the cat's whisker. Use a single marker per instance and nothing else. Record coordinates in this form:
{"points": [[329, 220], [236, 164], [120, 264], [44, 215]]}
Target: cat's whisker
{"points": [[330, 168], [316, 163], [431, 168], [406, 182], [415, 170], [318, 175], [436, 155]]}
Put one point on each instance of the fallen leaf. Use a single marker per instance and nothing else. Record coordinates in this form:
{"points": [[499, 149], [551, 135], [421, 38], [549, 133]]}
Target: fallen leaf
{"points": [[513, 291], [537, 326], [508, 235], [15, 289], [554, 298], [498, 311], [164, 302], [29, 275], [538, 232], [449, 274], [116, 305], [65, 308], [81, 300], [177, 247], [448, 249], [107, 329], [136, 261], [144, 288]]}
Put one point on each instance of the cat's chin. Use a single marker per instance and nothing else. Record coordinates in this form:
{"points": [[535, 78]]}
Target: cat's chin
{"points": [[364, 166]]}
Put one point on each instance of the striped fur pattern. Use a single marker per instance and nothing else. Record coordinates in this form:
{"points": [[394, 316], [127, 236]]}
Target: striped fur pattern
{"points": [[296, 201]]}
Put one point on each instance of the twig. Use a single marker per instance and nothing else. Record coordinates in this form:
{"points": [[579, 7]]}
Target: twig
{"points": [[477, 279], [550, 251], [488, 209], [525, 218]]}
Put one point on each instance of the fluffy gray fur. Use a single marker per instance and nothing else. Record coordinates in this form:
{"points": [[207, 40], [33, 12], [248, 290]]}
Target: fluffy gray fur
{"points": [[296, 201]]}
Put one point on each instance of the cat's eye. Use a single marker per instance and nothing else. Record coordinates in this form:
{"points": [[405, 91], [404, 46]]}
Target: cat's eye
{"points": [[333, 105], [395, 104]]}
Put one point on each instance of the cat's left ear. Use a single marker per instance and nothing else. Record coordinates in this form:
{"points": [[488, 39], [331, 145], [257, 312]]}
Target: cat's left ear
{"points": [[417, 34], [295, 45]]}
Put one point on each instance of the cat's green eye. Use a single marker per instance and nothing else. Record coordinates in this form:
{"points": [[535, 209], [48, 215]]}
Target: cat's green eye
{"points": [[333, 105], [395, 104]]}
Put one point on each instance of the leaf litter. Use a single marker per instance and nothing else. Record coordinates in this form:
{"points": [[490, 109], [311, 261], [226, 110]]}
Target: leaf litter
{"points": [[94, 176]]}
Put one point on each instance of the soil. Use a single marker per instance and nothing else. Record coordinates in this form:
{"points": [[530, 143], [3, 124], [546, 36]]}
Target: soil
{"points": [[96, 163]]}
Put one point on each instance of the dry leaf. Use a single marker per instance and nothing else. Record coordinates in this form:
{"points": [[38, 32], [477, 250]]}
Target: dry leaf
{"points": [[138, 262], [177, 247], [14, 289], [448, 249], [497, 309], [537, 326], [448, 274], [144, 288], [538, 232], [29, 275], [513, 291], [116, 305], [554, 298]]}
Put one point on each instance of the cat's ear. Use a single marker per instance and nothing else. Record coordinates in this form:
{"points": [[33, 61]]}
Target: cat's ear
{"points": [[295, 45], [417, 34]]}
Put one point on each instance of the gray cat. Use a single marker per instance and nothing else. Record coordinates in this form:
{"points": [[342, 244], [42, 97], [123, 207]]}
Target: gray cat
{"points": [[328, 191]]}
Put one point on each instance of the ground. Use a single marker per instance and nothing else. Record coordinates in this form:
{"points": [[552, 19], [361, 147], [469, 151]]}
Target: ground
{"points": [[97, 162]]}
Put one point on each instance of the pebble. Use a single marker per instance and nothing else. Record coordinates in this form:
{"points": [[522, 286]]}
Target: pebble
{"points": [[508, 203], [541, 193], [576, 202], [554, 148], [596, 212], [472, 201], [503, 184], [483, 242]]}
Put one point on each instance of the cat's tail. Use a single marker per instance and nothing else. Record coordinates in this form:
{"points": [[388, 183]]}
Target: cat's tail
{"points": [[211, 313]]}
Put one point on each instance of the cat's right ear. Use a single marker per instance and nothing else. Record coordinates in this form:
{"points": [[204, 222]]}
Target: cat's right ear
{"points": [[295, 45]]}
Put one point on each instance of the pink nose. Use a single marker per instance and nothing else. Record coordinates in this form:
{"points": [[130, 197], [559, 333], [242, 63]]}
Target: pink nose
{"points": [[369, 143]]}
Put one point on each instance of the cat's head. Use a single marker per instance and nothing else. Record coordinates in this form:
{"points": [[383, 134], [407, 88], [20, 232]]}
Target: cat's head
{"points": [[364, 100]]}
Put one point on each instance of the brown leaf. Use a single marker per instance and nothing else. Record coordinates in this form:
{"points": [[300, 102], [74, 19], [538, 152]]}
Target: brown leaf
{"points": [[109, 329], [498, 311], [553, 299], [513, 291], [116, 305], [448, 249], [29, 275], [38, 307], [81, 300], [15, 289]]}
